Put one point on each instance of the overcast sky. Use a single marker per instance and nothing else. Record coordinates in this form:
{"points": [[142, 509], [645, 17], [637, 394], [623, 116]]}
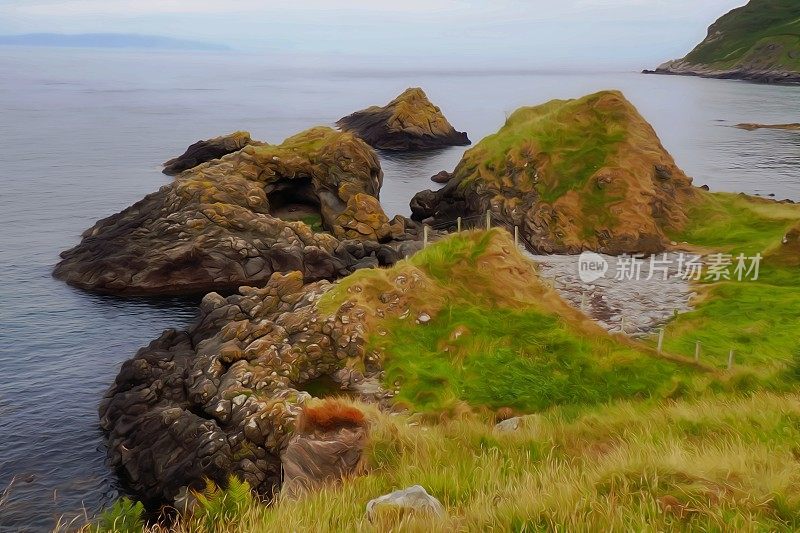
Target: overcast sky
{"points": [[538, 33]]}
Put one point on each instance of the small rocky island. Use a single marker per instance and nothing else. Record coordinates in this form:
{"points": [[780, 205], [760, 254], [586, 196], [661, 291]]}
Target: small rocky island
{"points": [[309, 204], [409, 122], [758, 42], [573, 175]]}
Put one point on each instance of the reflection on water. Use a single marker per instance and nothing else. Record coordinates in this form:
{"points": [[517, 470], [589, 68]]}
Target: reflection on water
{"points": [[407, 173], [89, 129]]}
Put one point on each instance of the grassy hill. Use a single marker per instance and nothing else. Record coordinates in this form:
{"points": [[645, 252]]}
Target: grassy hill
{"points": [[612, 436], [760, 41], [588, 173]]}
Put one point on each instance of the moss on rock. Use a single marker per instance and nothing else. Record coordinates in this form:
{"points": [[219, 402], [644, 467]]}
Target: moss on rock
{"points": [[577, 174], [409, 122]]}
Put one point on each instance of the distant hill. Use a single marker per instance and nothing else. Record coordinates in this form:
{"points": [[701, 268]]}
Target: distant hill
{"points": [[106, 40], [760, 41]]}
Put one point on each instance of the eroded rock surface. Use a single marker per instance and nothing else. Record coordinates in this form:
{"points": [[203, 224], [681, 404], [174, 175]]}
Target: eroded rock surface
{"points": [[224, 396], [236, 220], [572, 175], [207, 150], [409, 122]]}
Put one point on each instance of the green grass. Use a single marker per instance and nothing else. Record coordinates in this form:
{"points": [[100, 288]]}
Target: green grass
{"points": [[761, 22], [574, 135], [734, 223], [715, 464], [525, 360], [620, 440], [760, 319], [314, 222]]}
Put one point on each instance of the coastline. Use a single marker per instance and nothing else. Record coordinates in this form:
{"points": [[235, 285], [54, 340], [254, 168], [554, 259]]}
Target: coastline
{"points": [[753, 77]]}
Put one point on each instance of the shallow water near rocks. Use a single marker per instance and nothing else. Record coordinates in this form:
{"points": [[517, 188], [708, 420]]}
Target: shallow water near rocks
{"points": [[84, 134]]}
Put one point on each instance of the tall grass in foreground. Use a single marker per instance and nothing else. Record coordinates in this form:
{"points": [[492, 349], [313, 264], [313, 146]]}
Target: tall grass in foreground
{"points": [[717, 464]]}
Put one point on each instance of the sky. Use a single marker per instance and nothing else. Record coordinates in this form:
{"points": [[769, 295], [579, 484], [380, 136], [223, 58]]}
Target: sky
{"points": [[505, 33]]}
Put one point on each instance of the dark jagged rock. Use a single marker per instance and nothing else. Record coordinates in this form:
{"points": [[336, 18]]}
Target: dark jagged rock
{"points": [[572, 175], [441, 177], [757, 42], [224, 396], [208, 150], [236, 220], [409, 122]]}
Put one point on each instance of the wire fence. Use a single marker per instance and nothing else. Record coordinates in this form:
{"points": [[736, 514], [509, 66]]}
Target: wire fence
{"points": [[486, 221], [459, 224]]}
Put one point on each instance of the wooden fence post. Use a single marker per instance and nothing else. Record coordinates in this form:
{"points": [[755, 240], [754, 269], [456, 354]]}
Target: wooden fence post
{"points": [[697, 352], [425, 236], [458, 224], [516, 236], [488, 220], [622, 324], [730, 360], [660, 340]]}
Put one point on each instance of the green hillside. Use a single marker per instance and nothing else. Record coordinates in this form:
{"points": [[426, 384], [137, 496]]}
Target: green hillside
{"points": [[759, 42]]}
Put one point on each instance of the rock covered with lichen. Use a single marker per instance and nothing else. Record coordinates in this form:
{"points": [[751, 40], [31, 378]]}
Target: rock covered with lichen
{"points": [[234, 221], [409, 122], [223, 397], [207, 150], [573, 175]]}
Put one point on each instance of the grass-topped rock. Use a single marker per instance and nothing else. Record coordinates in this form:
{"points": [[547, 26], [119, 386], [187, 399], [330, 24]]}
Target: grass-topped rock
{"points": [[464, 325], [234, 221], [572, 174], [409, 122], [759, 41]]}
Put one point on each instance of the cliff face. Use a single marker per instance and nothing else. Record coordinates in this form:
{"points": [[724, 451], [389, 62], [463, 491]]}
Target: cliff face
{"points": [[573, 175], [759, 42]]}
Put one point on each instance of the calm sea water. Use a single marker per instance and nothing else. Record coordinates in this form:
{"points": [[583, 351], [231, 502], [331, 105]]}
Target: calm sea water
{"points": [[83, 133]]}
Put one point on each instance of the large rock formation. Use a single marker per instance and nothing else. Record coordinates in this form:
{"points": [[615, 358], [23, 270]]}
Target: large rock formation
{"points": [[409, 122], [224, 396], [231, 394], [759, 41], [573, 175], [236, 220], [207, 150]]}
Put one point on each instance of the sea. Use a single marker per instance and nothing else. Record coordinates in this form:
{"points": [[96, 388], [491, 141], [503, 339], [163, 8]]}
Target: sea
{"points": [[82, 136]]}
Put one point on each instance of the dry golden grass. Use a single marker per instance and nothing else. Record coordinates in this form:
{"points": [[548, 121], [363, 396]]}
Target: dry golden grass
{"points": [[716, 464]]}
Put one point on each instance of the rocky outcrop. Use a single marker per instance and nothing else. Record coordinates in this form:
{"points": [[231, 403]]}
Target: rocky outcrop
{"points": [[757, 42], [232, 393], [441, 177], [409, 122], [224, 396], [586, 174], [236, 220], [753, 127], [327, 447], [204, 151]]}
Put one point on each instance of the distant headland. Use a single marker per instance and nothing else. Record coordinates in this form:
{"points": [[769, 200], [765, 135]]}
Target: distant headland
{"points": [[757, 42], [107, 40]]}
